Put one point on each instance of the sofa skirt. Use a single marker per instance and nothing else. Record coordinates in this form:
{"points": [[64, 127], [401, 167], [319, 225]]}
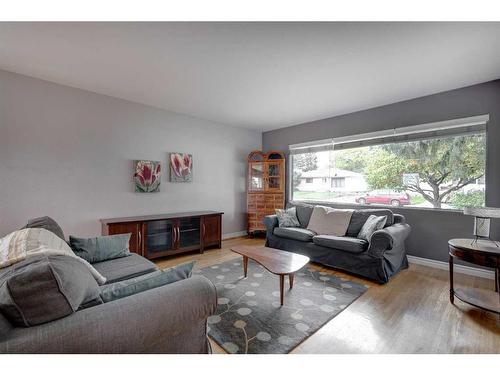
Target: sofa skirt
{"points": [[377, 269]]}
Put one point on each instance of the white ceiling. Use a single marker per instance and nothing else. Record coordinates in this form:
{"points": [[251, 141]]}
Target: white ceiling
{"points": [[256, 75]]}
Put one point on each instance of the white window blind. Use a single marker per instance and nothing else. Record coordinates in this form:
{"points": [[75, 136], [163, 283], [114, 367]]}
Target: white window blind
{"points": [[308, 147], [455, 127]]}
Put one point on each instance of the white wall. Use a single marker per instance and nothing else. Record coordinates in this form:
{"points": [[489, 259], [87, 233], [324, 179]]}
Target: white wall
{"points": [[68, 153]]}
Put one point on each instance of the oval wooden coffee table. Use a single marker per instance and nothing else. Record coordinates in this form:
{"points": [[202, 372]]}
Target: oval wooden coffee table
{"points": [[279, 262]]}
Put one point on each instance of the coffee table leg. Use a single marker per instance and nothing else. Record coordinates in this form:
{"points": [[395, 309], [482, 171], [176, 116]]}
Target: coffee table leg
{"points": [[245, 265], [290, 278], [282, 283]]}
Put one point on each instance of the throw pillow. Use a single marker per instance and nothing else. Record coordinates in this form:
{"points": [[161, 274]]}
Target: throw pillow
{"points": [[142, 283], [48, 223], [45, 288], [329, 221], [26, 243], [288, 217], [99, 249], [372, 224], [359, 217]]}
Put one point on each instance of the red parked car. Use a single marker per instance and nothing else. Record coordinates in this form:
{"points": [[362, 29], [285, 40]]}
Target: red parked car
{"points": [[385, 196]]}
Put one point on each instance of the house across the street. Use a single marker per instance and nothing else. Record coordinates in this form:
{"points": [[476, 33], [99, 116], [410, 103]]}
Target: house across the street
{"points": [[333, 180]]}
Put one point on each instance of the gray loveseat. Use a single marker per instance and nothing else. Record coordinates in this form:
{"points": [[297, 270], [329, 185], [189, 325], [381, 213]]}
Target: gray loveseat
{"points": [[167, 319], [379, 259]]}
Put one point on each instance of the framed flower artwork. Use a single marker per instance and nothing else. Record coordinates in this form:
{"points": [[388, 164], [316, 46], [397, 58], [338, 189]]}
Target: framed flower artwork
{"points": [[181, 167], [147, 176]]}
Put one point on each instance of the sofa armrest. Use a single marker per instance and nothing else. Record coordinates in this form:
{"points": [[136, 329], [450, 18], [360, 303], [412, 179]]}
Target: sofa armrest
{"points": [[135, 324], [271, 222], [392, 237], [399, 219]]}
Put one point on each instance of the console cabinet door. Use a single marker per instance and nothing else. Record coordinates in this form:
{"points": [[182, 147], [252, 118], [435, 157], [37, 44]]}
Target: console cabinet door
{"points": [[135, 229], [160, 237], [211, 230]]}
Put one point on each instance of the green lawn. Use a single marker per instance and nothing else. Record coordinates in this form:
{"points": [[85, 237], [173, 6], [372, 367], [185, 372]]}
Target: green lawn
{"points": [[417, 199], [313, 195]]}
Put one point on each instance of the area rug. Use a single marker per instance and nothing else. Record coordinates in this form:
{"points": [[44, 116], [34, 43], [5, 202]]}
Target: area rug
{"points": [[249, 318]]}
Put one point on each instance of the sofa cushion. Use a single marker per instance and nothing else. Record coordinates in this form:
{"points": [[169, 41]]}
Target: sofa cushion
{"points": [[329, 221], [359, 218], [124, 268], [99, 249], [350, 244], [304, 212], [48, 223], [5, 326], [45, 288], [142, 283], [299, 234]]}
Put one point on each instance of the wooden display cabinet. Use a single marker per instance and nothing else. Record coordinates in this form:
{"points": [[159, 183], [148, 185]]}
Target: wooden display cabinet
{"points": [[265, 187]]}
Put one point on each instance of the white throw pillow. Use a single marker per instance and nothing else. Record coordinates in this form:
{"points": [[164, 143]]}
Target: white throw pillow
{"points": [[30, 242], [329, 221]]}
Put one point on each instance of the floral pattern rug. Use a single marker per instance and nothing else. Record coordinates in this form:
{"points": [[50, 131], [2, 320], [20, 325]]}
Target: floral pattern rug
{"points": [[249, 318]]}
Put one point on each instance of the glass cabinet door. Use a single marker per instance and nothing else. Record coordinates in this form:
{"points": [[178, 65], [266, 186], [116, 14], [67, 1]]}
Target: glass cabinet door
{"points": [[189, 232], [274, 174], [160, 237], [256, 176]]}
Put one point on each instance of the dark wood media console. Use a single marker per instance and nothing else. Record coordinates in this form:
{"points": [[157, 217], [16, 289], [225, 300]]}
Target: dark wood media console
{"points": [[156, 236]]}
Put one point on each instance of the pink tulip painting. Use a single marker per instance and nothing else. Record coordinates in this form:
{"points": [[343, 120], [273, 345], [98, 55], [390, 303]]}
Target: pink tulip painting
{"points": [[147, 176], [181, 167]]}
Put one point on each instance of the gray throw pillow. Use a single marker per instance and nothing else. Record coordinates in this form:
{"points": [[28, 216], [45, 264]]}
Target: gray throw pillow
{"points": [[145, 282], [288, 217], [45, 288], [372, 224], [48, 223], [99, 249]]}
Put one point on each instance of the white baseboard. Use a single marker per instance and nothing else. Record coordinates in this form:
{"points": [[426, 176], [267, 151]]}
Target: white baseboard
{"points": [[478, 272], [227, 236]]}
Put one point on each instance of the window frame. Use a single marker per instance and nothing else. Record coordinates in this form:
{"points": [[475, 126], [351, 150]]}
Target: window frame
{"points": [[469, 121]]}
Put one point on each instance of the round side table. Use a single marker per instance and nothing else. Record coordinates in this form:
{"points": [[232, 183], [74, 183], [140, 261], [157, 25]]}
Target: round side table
{"points": [[481, 253]]}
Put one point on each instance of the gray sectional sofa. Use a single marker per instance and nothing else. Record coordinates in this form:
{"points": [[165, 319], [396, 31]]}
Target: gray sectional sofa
{"points": [[166, 319], [379, 259]]}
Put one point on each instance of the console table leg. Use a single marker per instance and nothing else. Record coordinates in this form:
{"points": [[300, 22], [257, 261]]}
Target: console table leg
{"points": [[452, 292], [245, 265], [290, 279]]}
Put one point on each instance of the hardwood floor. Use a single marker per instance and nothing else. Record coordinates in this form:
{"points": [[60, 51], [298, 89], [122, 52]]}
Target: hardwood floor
{"points": [[410, 314]]}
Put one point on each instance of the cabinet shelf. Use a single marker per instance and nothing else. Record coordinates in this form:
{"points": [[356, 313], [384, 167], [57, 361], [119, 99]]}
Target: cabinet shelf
{"points": [[158, 234]]}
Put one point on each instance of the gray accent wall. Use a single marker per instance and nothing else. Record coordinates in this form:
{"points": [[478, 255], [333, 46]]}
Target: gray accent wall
{"points": [[69, 153], [431, 229]]}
